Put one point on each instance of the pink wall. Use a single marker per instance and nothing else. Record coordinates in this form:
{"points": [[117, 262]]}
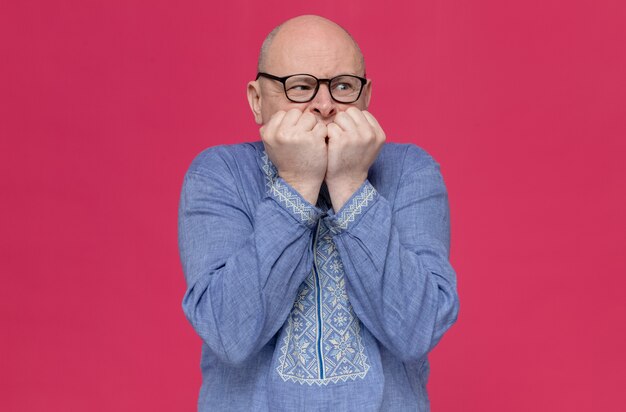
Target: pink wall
{"points": [[104, 104]]}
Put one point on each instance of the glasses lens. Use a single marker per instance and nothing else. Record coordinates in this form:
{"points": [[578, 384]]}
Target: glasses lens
{"points": [[300, 88], [345, 89]]}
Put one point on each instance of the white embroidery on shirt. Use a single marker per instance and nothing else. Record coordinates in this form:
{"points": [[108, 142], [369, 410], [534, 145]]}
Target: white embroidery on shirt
{"points": [[335, 353], [322, 339], [356, 205], [285, 196]]}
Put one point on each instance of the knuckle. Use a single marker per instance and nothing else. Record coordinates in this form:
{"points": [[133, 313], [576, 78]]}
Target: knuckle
{"points": [[366, 132], [280, 136], [265, 134]]}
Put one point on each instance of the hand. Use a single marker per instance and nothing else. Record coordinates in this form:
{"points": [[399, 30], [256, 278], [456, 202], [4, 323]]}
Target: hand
{"points": [[295, 143], [354, 140]]}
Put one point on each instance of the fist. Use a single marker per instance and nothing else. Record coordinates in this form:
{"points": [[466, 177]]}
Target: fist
{"points": [[295, 142], [354, 140]]}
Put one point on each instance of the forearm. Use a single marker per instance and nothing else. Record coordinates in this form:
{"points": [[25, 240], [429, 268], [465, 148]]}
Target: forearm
{"points": [[239, 305], [399, 280], [396, 292], [242, 271]]}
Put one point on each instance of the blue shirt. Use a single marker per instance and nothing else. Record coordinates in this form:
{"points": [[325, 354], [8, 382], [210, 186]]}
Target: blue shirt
{"points": [[301, 308]]}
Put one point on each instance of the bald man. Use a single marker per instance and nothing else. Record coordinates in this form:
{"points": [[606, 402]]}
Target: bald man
{"points": [[316, 259]]}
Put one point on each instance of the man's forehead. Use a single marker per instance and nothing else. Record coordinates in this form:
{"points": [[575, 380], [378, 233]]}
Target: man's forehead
{"points": [[311, 43], [306, 57]]}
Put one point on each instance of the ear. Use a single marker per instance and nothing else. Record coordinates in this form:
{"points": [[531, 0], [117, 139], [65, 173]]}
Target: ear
{"points": [[367, 93], [254, 100]]}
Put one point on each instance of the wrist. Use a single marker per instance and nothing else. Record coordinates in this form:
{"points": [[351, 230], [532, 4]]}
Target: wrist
{"points": [[345, 183], [340, 190], [308, 190]]}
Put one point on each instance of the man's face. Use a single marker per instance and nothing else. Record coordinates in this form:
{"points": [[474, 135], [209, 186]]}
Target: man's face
{"points": [[323, 52]]}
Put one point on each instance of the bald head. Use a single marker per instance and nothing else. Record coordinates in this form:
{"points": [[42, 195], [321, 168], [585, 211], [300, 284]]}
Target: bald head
{"points": [[307, 34]]}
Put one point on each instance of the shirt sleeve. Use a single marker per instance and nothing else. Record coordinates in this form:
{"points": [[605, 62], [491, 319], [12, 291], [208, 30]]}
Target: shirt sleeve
{"points": [[242, 269], [399, 279]]}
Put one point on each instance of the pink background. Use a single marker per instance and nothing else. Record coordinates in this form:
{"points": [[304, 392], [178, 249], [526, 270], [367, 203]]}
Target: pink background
{"points": [[104, 104]]}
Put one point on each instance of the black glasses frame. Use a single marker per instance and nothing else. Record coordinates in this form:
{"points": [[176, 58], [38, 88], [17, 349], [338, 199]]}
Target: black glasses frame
{"points": [[283, 80]]}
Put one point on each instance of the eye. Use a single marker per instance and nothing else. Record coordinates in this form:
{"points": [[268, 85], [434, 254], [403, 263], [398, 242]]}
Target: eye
{"points": [[300, 84], [344, 88], [300, 87]]}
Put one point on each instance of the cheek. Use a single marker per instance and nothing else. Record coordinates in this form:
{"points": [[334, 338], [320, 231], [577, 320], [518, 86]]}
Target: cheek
{"points": [[360, 104], [267, 110], [266, 113]]}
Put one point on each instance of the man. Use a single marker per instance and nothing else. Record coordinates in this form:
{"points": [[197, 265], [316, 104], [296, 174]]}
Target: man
{"points": [[317, 259]]}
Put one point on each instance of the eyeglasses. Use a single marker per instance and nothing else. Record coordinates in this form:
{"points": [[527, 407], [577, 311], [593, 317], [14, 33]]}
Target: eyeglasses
{"points": [[302, 88]]}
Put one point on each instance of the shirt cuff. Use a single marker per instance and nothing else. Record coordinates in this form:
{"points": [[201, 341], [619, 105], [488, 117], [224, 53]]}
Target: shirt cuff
{"points": [[360, 201], [297, 206]]}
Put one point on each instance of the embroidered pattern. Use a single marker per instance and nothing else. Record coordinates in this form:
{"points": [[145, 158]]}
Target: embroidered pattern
{"points": [[356, 205], [287, 197], [322, 340]]}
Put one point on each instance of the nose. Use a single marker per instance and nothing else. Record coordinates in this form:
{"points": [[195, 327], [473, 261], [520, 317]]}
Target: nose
{"points": [[323, 105]]}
